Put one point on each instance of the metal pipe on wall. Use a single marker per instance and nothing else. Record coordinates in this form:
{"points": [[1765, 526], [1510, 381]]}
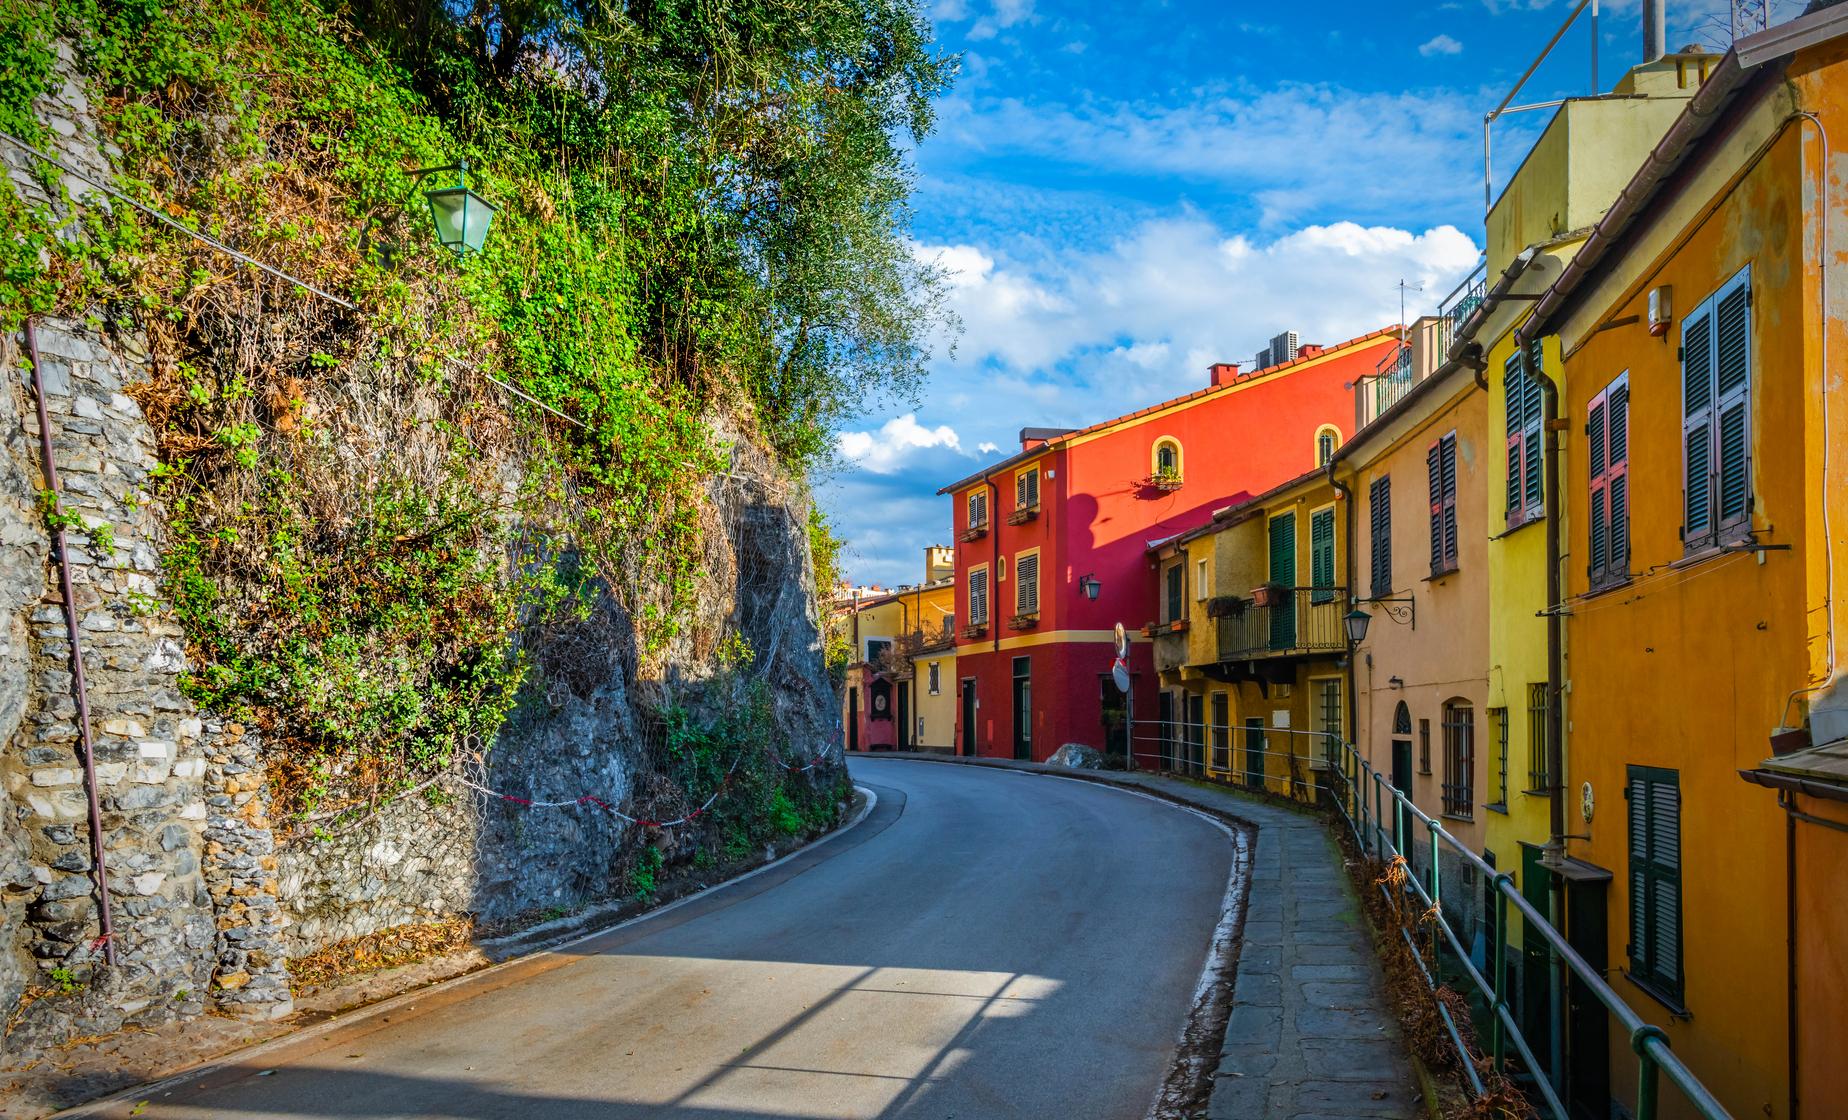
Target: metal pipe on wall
{"points": [[85, 746]]}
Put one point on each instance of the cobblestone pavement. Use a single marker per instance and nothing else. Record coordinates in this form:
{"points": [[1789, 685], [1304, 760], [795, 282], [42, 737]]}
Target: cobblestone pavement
{"points": [[1310, 1036]]}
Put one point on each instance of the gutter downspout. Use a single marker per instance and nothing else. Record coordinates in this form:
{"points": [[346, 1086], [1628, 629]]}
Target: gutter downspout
{"points": [[85, 746], [1555, 679], [1348, 575]]}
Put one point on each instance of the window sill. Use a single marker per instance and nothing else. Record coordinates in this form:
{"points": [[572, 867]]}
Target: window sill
{"points": [[1499, 807], [1599, 590], [1458, 816], [1517, 526], [1674, 1005], [1436, 577], [1536, 793]]}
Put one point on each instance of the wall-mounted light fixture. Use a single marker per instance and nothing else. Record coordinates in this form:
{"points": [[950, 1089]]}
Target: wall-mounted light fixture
{"points": [[1661, 310], [460, 215], [1089, 586]]}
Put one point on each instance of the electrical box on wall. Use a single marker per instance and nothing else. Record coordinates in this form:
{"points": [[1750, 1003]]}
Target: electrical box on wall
{"points": [[1661, 309]]}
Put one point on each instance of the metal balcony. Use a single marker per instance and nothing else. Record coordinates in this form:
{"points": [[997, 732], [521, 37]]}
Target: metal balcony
{"points": [[1304, 620]]}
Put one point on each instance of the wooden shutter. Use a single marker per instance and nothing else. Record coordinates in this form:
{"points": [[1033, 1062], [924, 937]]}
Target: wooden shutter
{"points": [[1026, 584], [1283, 572], [1441, 464], [1732, 377], [978, 596], [1434, 474], [1655, 877], [1697, 426], [1379, 514], [1617, 478], [1514, 401], [978, 509], [1532, 444], [1322, 554], [1598, 565], [1026, 489]]}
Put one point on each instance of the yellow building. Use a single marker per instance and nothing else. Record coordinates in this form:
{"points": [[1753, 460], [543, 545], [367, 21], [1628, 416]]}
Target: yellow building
{"points": [[1700, 533], [1252, 663], [899, 692]]}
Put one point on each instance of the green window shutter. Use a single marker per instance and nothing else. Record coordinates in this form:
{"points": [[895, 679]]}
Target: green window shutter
{"points": [[1514, 404], [1379, 514], [1283, 573], [1531, 442], [1655, 878], [1322, 554]]}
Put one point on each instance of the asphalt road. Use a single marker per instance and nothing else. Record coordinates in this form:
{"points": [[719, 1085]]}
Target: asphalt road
{"points": [[985, 945]]}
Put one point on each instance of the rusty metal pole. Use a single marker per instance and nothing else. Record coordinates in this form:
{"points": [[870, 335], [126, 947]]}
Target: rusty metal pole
{"points": [[85, 747]]}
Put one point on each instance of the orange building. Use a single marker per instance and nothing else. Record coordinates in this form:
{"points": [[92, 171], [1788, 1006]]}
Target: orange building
{"points": [[1701, 523]]}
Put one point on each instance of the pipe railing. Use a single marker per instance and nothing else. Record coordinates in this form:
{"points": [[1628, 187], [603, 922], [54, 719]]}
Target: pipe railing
{"points": [[1359, 784], [1385, 823]]}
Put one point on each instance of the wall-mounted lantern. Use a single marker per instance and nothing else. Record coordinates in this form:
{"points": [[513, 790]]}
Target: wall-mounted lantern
{"points": [[1356, 622], [460, 215], [1089, 586]]}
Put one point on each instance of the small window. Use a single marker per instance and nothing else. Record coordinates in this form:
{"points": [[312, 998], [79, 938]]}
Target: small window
{"points": [[978, 597], [1459, 760], [1200, 580], [1716, 382], [1655, 880], [1379, 530], [1328, 715], [1327, 442], [1538, 781], [876, 650], [1424, 746], [936, 678], [978, 510], [1166, 460], [1026, 583], [1175, 598]]}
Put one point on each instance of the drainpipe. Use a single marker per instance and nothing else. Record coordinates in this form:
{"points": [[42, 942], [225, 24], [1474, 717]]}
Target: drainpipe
{"points": [[85, 746], [1555, 675], [994, 559], [1348, 575]]}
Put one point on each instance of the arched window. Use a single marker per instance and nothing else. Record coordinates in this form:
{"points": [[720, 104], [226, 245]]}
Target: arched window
{"points": [[1165, 459], [1327, 440], [1402, 720]]}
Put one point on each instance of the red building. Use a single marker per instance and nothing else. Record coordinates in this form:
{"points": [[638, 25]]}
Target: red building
{"points": [[1052, 542]]}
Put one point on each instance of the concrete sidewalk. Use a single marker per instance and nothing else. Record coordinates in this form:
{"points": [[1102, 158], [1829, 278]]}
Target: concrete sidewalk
{"points": [[1310, 1035]]}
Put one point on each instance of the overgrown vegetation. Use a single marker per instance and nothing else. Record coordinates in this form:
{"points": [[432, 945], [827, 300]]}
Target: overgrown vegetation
{"points": [[702, 213]]}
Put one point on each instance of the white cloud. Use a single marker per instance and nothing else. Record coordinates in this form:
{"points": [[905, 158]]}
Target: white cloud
{"points": [[1441, 44], [895, 444]]}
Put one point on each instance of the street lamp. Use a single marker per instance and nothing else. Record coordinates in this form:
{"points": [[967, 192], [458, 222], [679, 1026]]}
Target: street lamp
{"points": [[460, 215], [1356, 622], [1089, 586]]}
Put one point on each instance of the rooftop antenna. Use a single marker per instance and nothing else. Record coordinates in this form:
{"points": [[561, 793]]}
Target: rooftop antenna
{"points": [[1404, 288]]}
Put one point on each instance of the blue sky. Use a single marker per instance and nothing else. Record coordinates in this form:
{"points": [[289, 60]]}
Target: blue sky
{"points": [[1121, 193]]}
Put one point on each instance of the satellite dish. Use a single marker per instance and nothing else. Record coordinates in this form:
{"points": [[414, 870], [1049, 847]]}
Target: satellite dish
{"points": [[1122, 642], [1120, 674]]}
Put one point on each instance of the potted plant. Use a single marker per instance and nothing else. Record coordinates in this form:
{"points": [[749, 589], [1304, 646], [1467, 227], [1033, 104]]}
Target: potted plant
{"points": [[1269, 595]]}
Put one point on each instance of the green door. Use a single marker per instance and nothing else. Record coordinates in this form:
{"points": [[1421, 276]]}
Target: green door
{"points": [[1283, 575]]}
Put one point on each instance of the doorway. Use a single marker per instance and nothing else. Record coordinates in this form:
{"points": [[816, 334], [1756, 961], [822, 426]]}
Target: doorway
{"points": [[904, 715], [1196, 732], [1023, 708], [853, 718], [1115, 715], [1254, 751], [968, 717]]}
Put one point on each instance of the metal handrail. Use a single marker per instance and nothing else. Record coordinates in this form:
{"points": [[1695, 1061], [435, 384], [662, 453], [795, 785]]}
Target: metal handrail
{"points": [[1650, 1043], [1307, 621]]}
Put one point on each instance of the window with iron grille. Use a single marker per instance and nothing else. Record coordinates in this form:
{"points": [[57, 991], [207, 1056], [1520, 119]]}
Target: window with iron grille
{"points": [[1441, 466], [978, 597], [1459, 760], [1716, 379], [1521, 400], [1607, 432], [1424, 746], [1654, 795], [1498, 725], [1379, 532], [936, 678], [1538, 780]]}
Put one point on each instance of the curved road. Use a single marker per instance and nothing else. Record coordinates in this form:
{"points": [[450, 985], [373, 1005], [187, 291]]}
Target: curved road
{"points": [[987, 944]]}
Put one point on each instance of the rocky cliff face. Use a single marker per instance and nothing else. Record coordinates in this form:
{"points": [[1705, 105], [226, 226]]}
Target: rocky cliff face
{"points": [[211, 894]]}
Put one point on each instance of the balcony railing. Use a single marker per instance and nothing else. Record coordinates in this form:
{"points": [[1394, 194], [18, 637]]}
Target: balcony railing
{"points": [[1383, 388], [1302, 620], [1460, 304]]}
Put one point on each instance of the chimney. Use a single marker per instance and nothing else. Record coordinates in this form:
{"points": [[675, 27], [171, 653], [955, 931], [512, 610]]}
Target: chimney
{"points": [[1223, 373], [1655, 29], [1308, 350]]}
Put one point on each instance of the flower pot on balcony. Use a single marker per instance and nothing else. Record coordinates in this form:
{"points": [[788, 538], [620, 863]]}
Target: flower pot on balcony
{"points": [[975, 532], [1023, 515], [1023, 621], [1269, 595], [975, 630], [1226, 606]]}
